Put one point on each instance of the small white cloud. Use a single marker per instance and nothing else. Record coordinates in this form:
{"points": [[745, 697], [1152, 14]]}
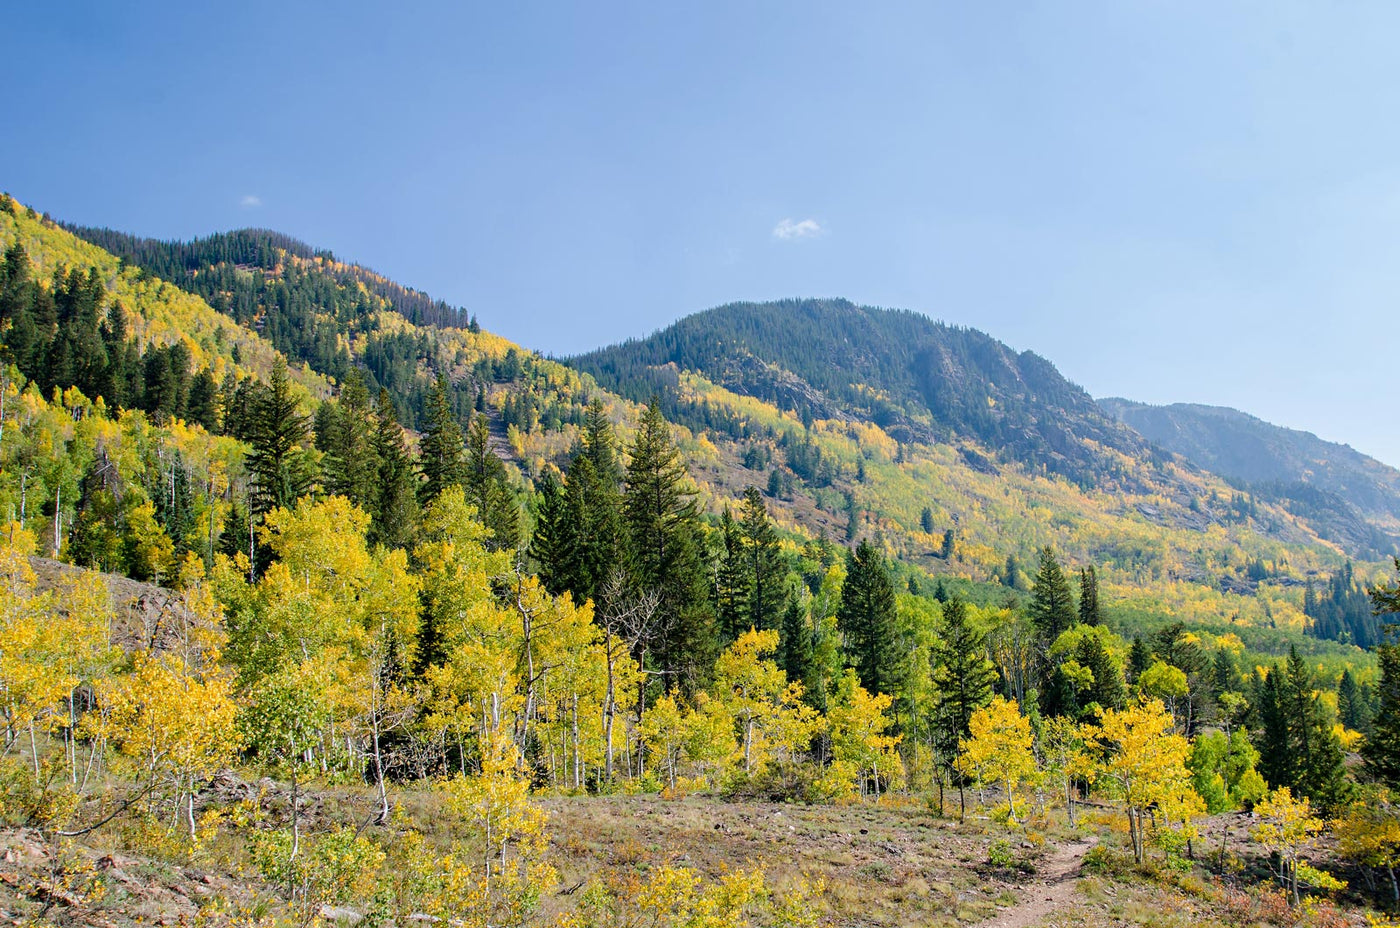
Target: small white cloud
{"points": [[790, 229], [250, 201]]}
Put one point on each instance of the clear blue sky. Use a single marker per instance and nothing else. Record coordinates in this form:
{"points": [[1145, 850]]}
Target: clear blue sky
{"points": [[1173, 201]]}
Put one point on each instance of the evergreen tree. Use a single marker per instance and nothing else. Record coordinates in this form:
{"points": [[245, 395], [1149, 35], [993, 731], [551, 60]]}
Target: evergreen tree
{"points": [[1320, 761], [1089, 611], [949, 543], [765, 568], [440, 451], [795, 644], [1052, 604], [394, 504], [1297, 746], [1108, 689], [600, 445], [963, 679], [663, 533], [1139, 658], [552, 542], [731, 581], [962, 672], [1271, 730], [203, 407], [1381, 749], [488, 488], [1225, 676], [279, 475], [347, 440], [867, 619], [926, 521]]}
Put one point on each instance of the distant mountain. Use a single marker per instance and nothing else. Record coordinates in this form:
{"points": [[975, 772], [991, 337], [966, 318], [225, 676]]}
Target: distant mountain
{"points": [[917, 379], [1346, 496]]}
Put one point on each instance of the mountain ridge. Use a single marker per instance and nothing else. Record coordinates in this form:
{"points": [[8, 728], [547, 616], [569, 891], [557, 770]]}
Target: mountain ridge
{"points": [[1347, 494]]}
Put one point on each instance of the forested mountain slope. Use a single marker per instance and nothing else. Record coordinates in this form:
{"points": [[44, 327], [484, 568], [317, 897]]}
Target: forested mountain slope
{"points": [[335, 317], [961, 457], [1345, 495], [917, 379]]}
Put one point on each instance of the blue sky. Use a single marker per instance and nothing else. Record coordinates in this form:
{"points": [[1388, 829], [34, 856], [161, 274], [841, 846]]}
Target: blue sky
{"points": [[1172, 201]]}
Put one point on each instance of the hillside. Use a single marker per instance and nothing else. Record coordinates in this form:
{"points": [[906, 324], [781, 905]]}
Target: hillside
{"points": [[918, 380], [919, 433], [1346, 496]]}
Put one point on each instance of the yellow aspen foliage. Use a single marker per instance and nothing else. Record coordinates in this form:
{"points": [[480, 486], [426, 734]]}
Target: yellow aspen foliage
{"points": [[496, 803], [1067, 758], [177, 726], [663, 730], [1288, 828], [709, 737], [998, 750], [1139, 756], [773, 721], [1368, 833], [859, 733]]}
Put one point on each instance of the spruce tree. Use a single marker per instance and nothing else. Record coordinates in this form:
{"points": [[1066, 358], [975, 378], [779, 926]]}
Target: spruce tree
{"points": [[1139, 658], [279, 475], [1052, 604], [1271, 730], [765, 568], [868, 621], [1320, 761], [1089, 611], [552, 542], [795, 644], [963, 679], [347, 440], [394, 504], [1108, 689], [440, 451], [488, 487], [1381, 750], [731, 581], [663, 534]]}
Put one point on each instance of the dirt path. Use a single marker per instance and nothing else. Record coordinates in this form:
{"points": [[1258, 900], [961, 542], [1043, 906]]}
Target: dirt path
{"points": [[1052, 888]]}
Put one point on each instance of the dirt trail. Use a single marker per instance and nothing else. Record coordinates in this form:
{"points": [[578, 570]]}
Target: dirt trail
{"points": [[1052, 888]]}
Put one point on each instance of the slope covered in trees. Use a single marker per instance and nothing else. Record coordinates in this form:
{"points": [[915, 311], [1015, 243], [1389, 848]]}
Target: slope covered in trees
{"points": [[917, 379], [1159, 535], [1347, 496]]}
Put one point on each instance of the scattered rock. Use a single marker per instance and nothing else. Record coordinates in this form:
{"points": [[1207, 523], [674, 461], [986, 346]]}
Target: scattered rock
{"points": [[340, 913]]}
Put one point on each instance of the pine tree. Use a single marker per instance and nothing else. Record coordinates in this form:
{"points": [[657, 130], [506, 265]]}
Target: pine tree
{"points": [[440, 452], [1139, 659], [663, 540], [1381, 749], [926, 520], [963, 678], [1108, 689], [765, 568], [279, 475], [552, 542], [1089, 611], [488, 488], [795, 645], [1271, 730], [394, 504], [1052, 604], [731, 581], [350, 466], [867, 619]]}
